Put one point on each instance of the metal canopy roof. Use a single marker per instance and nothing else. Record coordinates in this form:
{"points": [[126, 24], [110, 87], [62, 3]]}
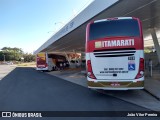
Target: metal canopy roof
{"points": [[146, 10]]}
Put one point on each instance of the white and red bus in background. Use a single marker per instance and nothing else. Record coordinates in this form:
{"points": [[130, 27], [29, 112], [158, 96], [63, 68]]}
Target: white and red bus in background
{"points": [[48, 61], [43, 62], [115, 54]]}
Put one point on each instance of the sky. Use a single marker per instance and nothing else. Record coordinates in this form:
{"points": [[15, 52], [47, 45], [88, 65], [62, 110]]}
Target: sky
{"points": [[27, 24]]}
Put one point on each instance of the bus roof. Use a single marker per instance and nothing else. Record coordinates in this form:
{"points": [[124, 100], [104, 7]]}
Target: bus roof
{"points": [[115, 18]]}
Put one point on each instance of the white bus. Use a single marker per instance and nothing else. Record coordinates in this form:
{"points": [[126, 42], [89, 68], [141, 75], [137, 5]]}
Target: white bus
{"points": [[115, 54], [49, 61]]}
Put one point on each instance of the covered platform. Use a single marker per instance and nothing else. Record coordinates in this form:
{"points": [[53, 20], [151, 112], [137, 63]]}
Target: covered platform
{"points": [[71, 37]]}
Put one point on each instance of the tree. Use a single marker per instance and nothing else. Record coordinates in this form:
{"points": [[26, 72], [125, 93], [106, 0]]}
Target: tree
{"points": [[29, 57], [11, 54]]}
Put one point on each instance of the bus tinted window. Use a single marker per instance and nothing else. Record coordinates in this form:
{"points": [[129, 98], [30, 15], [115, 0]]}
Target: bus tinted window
{"points": [[114, 28]]}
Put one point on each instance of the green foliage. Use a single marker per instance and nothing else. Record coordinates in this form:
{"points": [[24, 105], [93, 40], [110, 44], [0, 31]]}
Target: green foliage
{"points": [[28, 57], [15, 54]]}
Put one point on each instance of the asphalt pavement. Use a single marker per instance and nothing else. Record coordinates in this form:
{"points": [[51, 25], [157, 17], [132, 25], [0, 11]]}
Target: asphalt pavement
{"points": [[139, 97], [25, 89]]}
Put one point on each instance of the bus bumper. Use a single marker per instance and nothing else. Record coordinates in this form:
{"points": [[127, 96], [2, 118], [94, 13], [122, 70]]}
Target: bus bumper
{"points": [[46, 68], [129, 85]]}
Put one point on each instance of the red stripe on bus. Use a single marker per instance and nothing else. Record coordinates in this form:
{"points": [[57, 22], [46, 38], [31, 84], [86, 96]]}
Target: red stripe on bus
{"points": [[115, 43]]}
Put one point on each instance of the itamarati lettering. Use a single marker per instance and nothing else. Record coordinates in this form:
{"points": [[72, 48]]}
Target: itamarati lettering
{"points": [[112, 43]]}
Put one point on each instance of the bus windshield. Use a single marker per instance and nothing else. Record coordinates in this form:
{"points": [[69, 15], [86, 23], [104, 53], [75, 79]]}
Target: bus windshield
{"points": [[113, 28], [41, 58]]}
